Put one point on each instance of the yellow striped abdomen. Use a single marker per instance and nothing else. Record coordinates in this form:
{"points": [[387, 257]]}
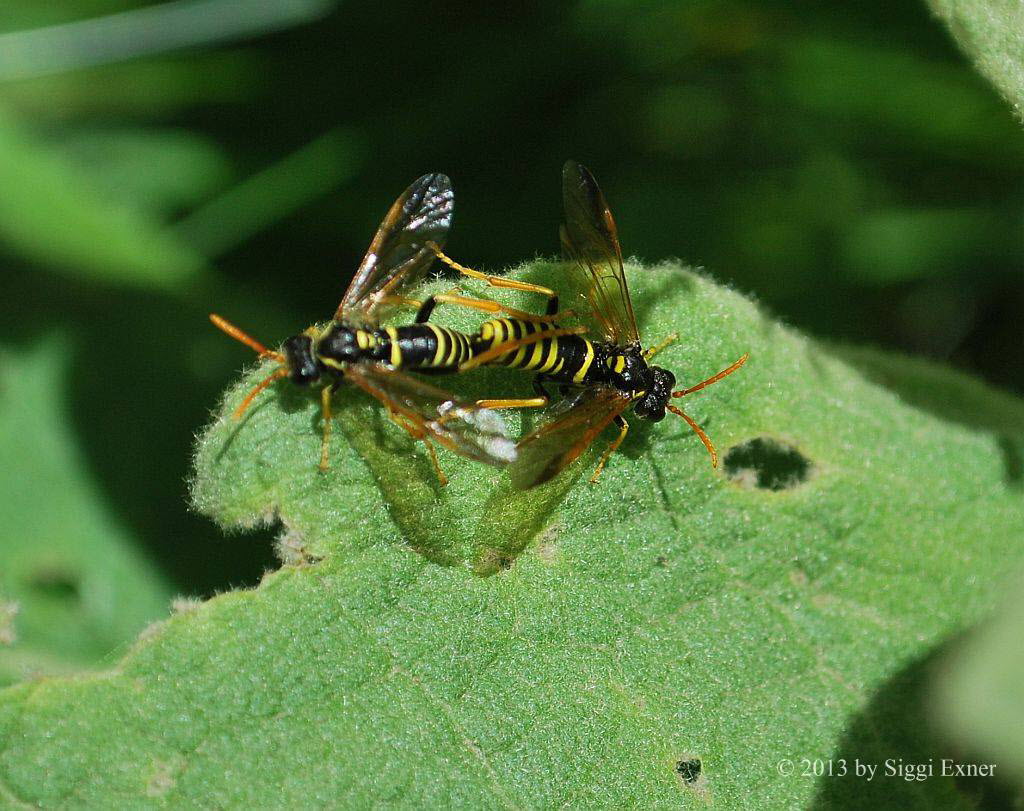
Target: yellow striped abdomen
{"points": [[566, 358]]}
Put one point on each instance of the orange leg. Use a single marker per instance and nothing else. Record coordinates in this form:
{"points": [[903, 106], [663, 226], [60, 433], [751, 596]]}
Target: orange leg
{"points": [[671, 339], [506, 284], [532, 402], [488, 306], [493, 281], [614, 446], [418, 434], [326, 418]]}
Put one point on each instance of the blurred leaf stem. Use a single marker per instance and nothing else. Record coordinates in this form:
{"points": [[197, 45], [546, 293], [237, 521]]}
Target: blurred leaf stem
{"points": [[267, 196], [144, 32]]}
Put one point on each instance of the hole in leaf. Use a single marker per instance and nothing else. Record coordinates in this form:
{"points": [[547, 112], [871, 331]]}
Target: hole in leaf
{"points": [[56, 584], [492, 561], [689, 770], [767, 464]]}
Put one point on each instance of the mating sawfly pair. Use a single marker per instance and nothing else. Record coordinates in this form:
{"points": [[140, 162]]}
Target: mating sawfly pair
{"points": [[600, 366]]}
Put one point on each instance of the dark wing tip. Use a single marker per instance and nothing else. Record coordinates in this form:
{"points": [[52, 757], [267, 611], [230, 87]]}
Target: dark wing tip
{"points": [[572, 174], [576, 175], [430, 206], [438, 180], [582, 197], [434, 191]]}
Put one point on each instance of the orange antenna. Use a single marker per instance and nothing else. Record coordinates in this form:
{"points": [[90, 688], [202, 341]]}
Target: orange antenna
{"points": [[698, 431], [714, 378], [277, 374], [248, 340]]}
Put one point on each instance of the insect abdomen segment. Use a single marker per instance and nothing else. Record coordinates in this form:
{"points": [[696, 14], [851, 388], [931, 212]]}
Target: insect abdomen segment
{"points": [[416, 347], [569, 359], [429, 348]]}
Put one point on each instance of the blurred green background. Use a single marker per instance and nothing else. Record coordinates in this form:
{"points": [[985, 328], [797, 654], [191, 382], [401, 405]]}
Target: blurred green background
{"points": [[840, 162]]}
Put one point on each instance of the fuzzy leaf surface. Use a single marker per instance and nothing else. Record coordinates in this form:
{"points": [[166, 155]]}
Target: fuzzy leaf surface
{"points": [[573, 645], [990, 32]]}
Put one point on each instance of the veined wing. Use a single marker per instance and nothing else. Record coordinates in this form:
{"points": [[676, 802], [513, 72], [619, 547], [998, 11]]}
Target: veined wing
{"points": [[591, 241], [461, 427], [568, 431], [398, 255]]}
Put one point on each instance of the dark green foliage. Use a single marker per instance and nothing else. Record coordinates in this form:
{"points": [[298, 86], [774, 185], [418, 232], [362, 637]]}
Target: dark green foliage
{"points": [[72, 571]]}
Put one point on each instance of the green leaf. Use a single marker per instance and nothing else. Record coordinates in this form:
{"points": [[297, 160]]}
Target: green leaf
{"points": [[897, 245], [664, 638], [158, 87], [80, 589], [980, 696], [950, 395], [991, 32], [154, 170], [860, 100], [270, 195], [53, 213]]}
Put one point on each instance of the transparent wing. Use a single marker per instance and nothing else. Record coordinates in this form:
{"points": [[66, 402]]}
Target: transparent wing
{"points": [[461, 427], [398, 256], [568, 430], [591, 242]]}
